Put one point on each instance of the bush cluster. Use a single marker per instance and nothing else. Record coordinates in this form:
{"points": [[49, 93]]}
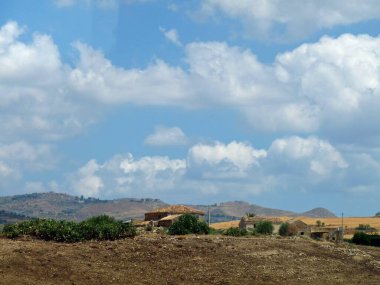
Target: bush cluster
{"points": [[264, 227], [188, 224], [96, 228], [287, 229], [365, 239], [235, 232]]}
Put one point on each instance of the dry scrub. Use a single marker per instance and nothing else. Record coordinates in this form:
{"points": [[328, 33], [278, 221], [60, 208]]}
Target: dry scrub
{"points": [[155, 259]]}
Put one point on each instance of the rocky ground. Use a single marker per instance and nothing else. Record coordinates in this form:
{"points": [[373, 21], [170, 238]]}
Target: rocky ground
{"points": [[155, 259]]}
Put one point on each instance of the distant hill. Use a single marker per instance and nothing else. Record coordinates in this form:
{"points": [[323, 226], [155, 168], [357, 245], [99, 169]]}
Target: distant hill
{"points": [[63, 206], [318, 213], [235, 210]]}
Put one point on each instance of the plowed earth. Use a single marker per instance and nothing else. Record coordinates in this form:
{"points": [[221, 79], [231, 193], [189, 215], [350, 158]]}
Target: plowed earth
{"points": [[156, 259]]}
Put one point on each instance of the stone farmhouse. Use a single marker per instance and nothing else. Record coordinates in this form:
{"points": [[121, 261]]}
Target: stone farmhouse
{"points": [[251, 222], [164, 217]]}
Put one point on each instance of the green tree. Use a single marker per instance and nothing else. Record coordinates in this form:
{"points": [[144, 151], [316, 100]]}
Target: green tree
{"points": [[188, 224], [361, 238], [97, 228], [287, 229], [264, 227], [236, 232]]}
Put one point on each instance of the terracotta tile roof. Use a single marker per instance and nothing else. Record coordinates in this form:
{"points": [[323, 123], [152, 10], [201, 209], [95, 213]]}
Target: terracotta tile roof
{"points": [[177, 209]]}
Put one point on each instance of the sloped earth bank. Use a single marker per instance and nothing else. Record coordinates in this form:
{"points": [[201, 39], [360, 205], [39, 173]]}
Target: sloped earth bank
{"points": [[155, 259]]}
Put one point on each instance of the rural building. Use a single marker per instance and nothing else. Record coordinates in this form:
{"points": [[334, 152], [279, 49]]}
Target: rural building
{"points": [[251, 222], [301, 227], [164, 217], [168, 221], [327, 233]]}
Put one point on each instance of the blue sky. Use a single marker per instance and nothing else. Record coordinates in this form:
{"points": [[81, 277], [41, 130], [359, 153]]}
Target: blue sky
{"points": [[271, 102]]}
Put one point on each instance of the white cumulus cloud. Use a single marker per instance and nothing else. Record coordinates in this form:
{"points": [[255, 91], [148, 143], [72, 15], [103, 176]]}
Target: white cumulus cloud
{"points": [[166, 136], [330, 87], [310, 154], [292, 19], [171, 35], [224, 160]]}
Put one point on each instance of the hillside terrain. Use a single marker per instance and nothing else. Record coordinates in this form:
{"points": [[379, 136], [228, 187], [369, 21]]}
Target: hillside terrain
{"points": [[63, 206], [155, 259], [10, 217], [235, 210]]}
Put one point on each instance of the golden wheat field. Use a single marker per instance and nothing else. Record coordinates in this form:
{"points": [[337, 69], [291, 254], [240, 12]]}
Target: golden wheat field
{"points": [[349, 222]]}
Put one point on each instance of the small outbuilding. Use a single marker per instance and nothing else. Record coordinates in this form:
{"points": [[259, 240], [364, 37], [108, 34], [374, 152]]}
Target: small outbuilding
{"points": [[301, 227], [168, 221], [251, 222], [165, 217]]}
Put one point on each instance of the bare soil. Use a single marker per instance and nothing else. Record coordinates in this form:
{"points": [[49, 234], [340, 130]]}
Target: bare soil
{"points": [[156, 259]]}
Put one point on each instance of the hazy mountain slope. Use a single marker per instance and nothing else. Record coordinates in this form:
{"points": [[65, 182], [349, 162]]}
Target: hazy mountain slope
{"points": [[318, 213], [63, 206], [235, 210]]}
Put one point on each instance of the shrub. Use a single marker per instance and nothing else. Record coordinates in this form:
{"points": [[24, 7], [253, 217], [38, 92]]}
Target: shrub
{"points": [[363, 227], [361, 238], [105, 228], [235, 232], [287, 229], [188, 224], [60, 231], [366, 239], [264, 227], [216, 231], [23, 228], [97, 228], [283, 230], [366, 228]]}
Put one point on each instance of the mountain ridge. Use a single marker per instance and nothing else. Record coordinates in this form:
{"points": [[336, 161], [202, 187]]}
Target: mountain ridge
{"points": [[68, 207]]}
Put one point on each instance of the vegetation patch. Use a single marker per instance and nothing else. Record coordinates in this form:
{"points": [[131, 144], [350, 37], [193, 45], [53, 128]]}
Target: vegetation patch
{"points": [[96, 228], [235, 232], [366, 239], [287, 229], [188, 224], [264, 228]]}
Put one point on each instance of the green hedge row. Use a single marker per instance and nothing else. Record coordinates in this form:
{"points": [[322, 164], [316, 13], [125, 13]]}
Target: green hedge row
{"points": [[365, 239], [262, 227], [96, 228]]}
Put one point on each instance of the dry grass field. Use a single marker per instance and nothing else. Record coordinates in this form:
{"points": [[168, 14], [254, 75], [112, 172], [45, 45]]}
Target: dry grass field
{"points": [[161, 259], [350, 222]]}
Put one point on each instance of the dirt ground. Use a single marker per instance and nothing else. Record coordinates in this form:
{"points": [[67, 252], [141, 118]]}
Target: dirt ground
{"points": [[156, 259]]}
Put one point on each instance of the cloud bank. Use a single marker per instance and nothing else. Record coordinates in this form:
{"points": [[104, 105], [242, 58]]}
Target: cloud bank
{"points": [[326, 94], [292, 19], [294, 164]]}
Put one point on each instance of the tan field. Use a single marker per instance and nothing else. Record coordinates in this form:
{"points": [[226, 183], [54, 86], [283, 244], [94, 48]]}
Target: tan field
{"points": [[174, 260], [349, 222]]}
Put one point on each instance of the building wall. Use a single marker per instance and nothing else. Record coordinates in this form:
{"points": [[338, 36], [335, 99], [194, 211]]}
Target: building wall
{"points": [[166, 223], [244, 224], [155, 216]]}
